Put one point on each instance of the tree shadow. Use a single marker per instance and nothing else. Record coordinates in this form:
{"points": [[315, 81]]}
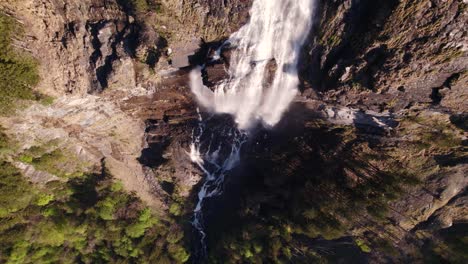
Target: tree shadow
{"points": [[301, 182]]}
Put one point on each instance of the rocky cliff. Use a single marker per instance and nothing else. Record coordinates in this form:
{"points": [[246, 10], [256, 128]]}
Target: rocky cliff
{"points": [[98, 59], [389, 55], [372, 153]]}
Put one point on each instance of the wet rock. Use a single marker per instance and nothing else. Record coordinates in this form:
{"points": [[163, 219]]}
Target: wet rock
{"points": [[271, 68], [215, 74]]}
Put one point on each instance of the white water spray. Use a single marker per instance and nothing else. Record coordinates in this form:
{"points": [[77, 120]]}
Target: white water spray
{"points": [[276, 31], [221, 154]]}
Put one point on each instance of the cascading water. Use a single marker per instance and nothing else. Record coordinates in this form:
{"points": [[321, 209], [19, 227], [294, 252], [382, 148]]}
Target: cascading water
{"points": [[221, 150], [276, 32]]}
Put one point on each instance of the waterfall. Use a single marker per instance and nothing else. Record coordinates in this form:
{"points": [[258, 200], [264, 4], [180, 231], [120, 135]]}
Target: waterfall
{"points": [[274, 35], [221, 153], [276, 32]]}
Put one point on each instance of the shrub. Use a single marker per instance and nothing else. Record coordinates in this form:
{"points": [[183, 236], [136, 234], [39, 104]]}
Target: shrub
{"points": [[4, 141], [175, 236], [377, 211], [44, 199], [26, 159], [19, 252], [106, 208], [178, 253], [50, 235], [363, 246], [50, 162], [175, 209]]}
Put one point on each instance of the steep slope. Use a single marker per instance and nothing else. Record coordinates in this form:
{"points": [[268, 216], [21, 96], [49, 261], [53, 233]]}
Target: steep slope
{"points": [[390, 55], [369, 164]]}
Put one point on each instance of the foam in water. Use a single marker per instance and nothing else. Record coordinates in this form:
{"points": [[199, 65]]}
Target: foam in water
{"points": [[277, 30], [215, 160]]}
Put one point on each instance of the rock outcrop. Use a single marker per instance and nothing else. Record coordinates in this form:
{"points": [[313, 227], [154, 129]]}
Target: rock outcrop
{"points": [[389, 55], [79, 44], [208, 19], [118, 98]]}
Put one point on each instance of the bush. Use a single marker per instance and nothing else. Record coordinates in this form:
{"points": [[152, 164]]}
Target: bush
{"points": [[50, 235], [363, 246], [145, 221], [175, 209], [4, 142], [19, 252], [174, 236], [44, 199], [50, 162], [106, 208], [178, 253]]}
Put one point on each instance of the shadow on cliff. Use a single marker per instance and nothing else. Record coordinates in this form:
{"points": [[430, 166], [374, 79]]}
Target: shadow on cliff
{"points": [[304, 176]]}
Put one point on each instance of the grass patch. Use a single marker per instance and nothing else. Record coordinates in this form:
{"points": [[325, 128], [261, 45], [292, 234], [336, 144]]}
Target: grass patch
{"points": [[53, 160]]}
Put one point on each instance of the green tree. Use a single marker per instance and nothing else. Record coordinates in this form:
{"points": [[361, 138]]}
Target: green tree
{"points": [[18, 71]]}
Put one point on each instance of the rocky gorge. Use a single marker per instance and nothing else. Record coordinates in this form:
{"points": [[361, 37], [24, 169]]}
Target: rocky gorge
{"points": [[367, 165]]}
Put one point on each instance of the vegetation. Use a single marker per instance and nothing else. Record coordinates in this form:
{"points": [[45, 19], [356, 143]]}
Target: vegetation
{"points": [[6, 146], [55, 162], [449, 245], [18, 70], [87, 219], [293, 203], [339, 191]]}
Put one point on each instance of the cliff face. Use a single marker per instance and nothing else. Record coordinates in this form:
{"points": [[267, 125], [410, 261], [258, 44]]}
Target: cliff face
{"points": [[79, 43], [389, 55], [83, 48], [408, 58], [212, 20], [108, 66], [389, 190]]}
